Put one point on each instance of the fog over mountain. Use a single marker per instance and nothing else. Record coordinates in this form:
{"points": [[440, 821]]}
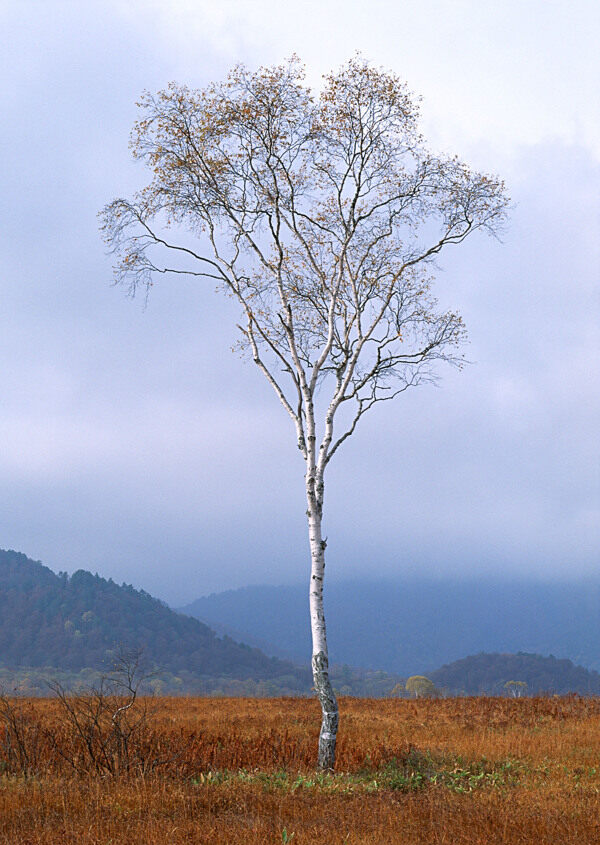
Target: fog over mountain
{"points": [[414, 626]]}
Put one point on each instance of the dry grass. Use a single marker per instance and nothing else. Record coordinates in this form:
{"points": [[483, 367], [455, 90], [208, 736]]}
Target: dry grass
{"points": [[241, 771]]}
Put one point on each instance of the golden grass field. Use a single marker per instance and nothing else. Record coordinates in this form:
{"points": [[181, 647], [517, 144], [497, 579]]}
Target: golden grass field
{"points": [[471, 770]]}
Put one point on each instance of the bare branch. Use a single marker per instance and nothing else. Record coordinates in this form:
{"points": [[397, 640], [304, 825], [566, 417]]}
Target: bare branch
{"points": [[320, 214]]}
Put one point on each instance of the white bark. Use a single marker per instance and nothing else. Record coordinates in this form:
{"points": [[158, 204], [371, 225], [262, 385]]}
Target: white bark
{"points": [[320, 653]]}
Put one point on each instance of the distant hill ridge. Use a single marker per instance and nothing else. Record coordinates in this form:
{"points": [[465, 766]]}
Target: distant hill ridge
{"points": [[521, 674], [415, 625], [76, 622]]}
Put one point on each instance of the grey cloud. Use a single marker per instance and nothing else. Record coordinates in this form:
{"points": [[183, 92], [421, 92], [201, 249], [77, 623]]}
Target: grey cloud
{"points": [[135, 443]]}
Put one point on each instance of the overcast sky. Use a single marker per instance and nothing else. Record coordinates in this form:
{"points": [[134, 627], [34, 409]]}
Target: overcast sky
{"points": [[122, 447]]}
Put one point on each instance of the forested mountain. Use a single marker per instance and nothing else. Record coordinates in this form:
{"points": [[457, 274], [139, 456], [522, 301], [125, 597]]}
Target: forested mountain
{"points": [[520, 674], [75, 623], [413, 626], [49, 620]]}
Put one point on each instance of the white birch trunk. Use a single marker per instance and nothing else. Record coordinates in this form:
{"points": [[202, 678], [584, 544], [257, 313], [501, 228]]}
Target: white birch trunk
{"points": [[320, 656]]}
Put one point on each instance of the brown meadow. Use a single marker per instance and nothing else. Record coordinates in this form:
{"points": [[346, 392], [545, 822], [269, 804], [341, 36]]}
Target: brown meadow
{"points": [[471, 770]]}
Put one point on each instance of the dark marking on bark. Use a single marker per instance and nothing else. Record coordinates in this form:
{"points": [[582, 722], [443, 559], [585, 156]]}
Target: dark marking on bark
{"points": [[329, 710]]}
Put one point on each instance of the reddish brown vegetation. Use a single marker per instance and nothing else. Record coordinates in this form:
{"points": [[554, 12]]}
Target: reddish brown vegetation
{"points": [[241, 771]]}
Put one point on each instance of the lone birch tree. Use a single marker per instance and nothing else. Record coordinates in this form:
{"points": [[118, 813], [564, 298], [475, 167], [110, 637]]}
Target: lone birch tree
{"points": [[322, 215]]}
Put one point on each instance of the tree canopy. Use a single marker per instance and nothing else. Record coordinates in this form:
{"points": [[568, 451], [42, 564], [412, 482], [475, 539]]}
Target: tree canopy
{"points": [[321, 214]]}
